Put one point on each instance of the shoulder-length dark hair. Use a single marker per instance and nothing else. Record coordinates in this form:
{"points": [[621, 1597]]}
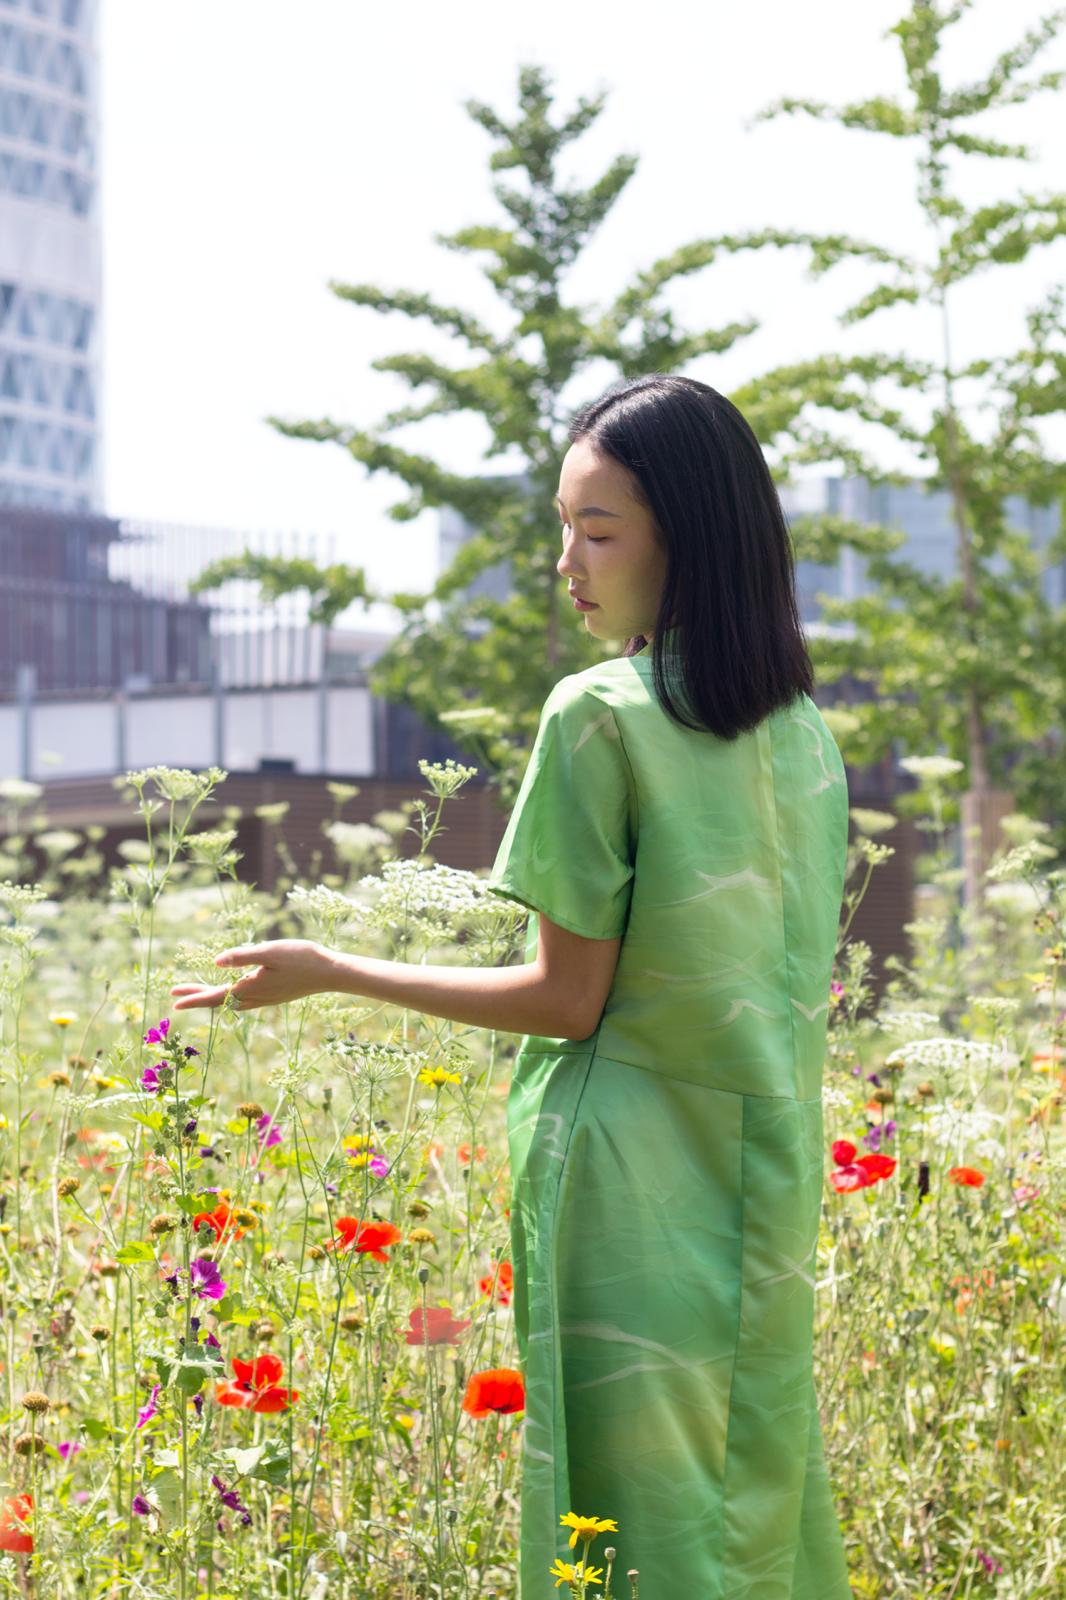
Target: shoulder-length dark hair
{"points": [[730, 574]]}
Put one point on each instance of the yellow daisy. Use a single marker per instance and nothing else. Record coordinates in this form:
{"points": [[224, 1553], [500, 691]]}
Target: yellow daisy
{"points": [[586, 1527], [437, 1075], [62, 1019], [563, 1572]]}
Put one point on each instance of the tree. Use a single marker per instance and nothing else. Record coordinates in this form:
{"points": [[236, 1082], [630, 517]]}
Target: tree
{"points": [[481, 652], [977, 664]]}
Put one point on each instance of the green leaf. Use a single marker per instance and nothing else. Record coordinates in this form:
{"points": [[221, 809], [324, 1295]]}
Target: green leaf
{"points": [[166, 1491], [138, 1251]]}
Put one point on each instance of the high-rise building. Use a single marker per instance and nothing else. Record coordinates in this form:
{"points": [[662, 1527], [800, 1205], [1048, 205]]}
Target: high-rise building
{"points": [[50, 256]]}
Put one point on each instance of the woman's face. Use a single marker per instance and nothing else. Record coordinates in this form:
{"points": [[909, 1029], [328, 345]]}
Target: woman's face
{"points": [[610, 553]]}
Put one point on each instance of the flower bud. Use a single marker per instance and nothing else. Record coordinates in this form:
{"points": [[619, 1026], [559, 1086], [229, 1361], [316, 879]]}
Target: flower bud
{"points": [[250, 1110], [36, 1402], [67, 1186]]}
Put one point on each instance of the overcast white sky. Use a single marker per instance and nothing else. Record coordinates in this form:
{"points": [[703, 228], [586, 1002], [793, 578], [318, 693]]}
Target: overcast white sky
{"points": [[252, 150]]}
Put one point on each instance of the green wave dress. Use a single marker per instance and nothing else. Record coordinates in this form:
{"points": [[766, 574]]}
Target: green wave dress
{"points": [[667, 1172]]}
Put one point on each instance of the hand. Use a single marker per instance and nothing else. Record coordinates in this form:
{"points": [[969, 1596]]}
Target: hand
{"points": [[286, 969]]}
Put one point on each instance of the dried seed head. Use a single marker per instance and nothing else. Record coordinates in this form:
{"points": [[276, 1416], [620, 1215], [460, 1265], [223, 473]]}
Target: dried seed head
{"points": [[352, 1321], [109, 1269], [99, 1332], [422, 1236], [67, 1186], [163, 1223], [28, 1444], [316, 1252], [925, 1091], [76, 1062], [36, 1402], [61, 1080], [418, 1208], [883, 1097], [250, 1110], [609, 1553], [264, 1330]]}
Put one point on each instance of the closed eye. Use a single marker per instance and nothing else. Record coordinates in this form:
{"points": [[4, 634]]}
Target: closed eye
{"points": [[592, 539]]}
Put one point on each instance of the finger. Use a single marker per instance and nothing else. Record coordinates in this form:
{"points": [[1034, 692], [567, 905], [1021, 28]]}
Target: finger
{"points": [[241, 956], [202, 997], [187, 988]]}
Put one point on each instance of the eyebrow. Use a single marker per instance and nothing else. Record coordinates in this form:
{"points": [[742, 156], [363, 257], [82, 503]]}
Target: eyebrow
{"points": [[589, 511]]}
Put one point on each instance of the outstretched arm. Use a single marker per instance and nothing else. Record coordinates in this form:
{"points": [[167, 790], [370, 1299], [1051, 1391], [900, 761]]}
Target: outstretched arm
{"points": [[558, 995]]}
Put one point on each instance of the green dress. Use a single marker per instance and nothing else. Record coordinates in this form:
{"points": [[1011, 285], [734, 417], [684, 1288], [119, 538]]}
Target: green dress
{"points": [[667, 1172]]}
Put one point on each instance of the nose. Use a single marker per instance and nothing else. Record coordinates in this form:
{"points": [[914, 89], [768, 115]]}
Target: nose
{"points": [[564, 566]]}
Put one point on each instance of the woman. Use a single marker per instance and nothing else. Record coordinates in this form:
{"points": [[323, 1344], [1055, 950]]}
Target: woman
{"points": [[680, 838]]}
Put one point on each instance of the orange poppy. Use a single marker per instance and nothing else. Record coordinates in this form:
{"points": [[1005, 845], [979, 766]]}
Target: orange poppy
{"points": [[373, 1237], [220, 1220], [504, 1286], [498, 1389], [14, 1512], [463, 1153], [967, 1175], [257, 1386]]}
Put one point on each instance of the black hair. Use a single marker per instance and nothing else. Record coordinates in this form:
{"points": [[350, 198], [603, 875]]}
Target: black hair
{"points": [[696, 465]]}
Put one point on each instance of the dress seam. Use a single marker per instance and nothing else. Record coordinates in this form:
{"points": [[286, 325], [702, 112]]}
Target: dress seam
{"points": [[784, 929], [736, 1362]]}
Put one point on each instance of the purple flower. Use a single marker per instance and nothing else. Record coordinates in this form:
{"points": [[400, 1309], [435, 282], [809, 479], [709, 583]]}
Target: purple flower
{"points": [[209, 1150], [232, 1499], [67, 1448], [206, 1279], [988, 1563], [189, 1050], [158, 1035], [198, 1402], [836, 988], [871, 1077], [189, 1129], [140, 1506], [874, 1136], [379, 1166], [211, 1340], [171, 1281], [150, 1080], [269, 1132], [146, 1413]]}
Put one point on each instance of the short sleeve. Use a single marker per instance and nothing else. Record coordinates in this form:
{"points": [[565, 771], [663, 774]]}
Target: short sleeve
{"points": [[570, 844]]}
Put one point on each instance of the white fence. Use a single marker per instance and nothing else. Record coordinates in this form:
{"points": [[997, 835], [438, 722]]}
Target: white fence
{"points": [[319, 729]]}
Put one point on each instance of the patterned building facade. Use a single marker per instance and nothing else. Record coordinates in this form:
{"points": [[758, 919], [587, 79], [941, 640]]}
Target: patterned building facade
{"points": [[50, 256]]}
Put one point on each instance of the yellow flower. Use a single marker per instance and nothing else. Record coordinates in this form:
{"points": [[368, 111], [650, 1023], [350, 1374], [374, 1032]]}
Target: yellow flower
{"points": [[586, 1527], [62, 1019], [406, 1422], [438, 1075], [563, 1572]]}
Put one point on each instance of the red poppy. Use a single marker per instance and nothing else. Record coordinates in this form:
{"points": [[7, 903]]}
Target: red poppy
{"points": [[498, 1389], [463, 1153], [438, 1326], [877, 1165], [847, 1179], [843, 1152], [257, 1386], [504, 1286], [220, 1220], [14, 1511], [373, 1237], [967, 1175]]}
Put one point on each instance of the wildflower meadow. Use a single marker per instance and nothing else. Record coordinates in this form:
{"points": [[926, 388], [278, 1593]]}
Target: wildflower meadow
{"points": [[257, 1332]]}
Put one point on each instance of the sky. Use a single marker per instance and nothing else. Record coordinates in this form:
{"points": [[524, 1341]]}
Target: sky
{"points": [[254, 150]]}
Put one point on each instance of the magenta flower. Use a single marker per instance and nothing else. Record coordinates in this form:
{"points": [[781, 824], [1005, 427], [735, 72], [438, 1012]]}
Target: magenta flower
{"points": [[152, 1079], [140, 1506], [146, 1413], [158, 1035], [232, 1499], [206, 1279], [269, 1132], [67, 1448], [988, 1563], [379, 1166]]}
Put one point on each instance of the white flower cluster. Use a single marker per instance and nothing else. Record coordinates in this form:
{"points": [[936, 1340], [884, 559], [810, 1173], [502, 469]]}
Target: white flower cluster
{"points": [[375, 1062], [325, 909], [177, 783], [354, 841], [907, 1021], [962, 1131], [19, 790], [948, 1053], [16, 896], [447, 777], [834, 1099], [427, 892]]}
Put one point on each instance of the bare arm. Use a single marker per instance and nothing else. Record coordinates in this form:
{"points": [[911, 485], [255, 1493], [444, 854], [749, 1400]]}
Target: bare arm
{"points": [[558, 995]]}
